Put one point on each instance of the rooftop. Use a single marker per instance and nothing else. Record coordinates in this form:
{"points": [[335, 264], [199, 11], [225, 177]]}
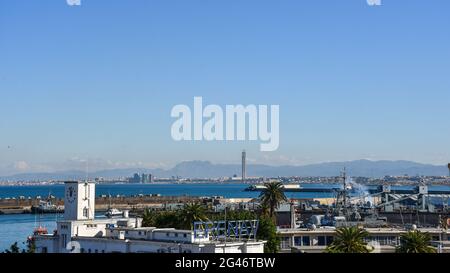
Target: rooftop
{"points": [[370, 230]]}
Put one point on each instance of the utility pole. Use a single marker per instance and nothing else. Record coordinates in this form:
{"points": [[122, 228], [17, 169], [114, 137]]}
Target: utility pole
{"points": [[226, 230]]}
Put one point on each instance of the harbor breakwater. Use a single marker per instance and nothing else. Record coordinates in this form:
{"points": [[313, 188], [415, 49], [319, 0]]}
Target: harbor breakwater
{"points": [[20, 206]]}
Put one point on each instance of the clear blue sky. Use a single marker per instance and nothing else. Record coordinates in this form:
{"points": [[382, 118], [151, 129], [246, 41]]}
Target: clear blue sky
{"points": [[98, 81]]}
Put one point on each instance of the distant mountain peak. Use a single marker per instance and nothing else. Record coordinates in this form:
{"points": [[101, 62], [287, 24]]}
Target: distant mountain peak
{"points": [[206, 169]]}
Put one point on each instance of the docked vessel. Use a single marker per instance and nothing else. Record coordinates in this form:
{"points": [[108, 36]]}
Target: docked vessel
{"points": [[47, 206], [112, 212], [293, 188]]}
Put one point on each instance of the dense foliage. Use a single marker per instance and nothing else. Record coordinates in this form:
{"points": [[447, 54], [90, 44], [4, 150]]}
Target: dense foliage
{"points": [[349, 240], [268, 231], [272, 196], [415, 242]]}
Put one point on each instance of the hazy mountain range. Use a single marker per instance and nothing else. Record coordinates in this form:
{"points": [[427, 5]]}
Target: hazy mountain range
{"points": [[205, 169]]}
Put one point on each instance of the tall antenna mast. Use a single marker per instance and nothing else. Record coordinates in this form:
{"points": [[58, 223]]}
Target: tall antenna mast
{"points": [[87, 170], [244, 167]]}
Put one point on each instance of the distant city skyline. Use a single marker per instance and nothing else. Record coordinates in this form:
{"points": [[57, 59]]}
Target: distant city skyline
{"points": [[97, 81]]}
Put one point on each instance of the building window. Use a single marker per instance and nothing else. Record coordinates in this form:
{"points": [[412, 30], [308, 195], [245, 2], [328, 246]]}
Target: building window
{"points": [[298, 240], [176, 234], [329, 240], [383, 240], [85, 212], [140, 233], [64, 240], [321, 241], [168, 234], [285, 243], [305, 241], [185, 235]]}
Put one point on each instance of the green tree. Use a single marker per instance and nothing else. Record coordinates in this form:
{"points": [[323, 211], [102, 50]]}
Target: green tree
{"points": [[232, 215], [31, 246], [267, 231], [167, 219], [190, 213], [349, 240], [415, 242], [148, 218], [161, 219], [271, 197], [14, 248]]}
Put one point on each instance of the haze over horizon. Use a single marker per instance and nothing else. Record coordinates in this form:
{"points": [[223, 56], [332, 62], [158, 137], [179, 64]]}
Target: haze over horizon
{"points": [[353, 83], [207, 169]]}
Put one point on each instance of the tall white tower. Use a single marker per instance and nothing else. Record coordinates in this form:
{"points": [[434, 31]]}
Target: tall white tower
{"points": [[79, 200], [244, 155]]}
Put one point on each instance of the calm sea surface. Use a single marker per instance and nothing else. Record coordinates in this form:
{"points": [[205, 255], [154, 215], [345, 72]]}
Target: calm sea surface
{"points": [[197, 189], [16, 228]]}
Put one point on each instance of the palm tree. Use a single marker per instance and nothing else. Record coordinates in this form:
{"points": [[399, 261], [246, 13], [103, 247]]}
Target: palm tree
{"points": [[349, 240], [271, 196], [191, 213], [148, 218], [415, 242], [14, 248]]}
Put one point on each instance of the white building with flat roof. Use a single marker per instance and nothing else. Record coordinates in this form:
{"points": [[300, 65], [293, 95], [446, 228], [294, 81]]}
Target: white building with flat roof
{"points": [[81, 232], [385, 239]]}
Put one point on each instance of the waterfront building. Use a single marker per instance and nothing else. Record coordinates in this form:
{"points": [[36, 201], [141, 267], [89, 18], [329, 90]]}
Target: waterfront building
{"points": [[385, 239], [145, 178], [135, 179], [80, 231]]}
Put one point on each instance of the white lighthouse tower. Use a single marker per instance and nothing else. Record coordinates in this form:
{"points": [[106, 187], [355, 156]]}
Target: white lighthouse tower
{"points": [[79, 201]]}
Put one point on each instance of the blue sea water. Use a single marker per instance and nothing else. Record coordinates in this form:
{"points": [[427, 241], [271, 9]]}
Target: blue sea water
{"points": [[196, 189], [17, 227]]}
